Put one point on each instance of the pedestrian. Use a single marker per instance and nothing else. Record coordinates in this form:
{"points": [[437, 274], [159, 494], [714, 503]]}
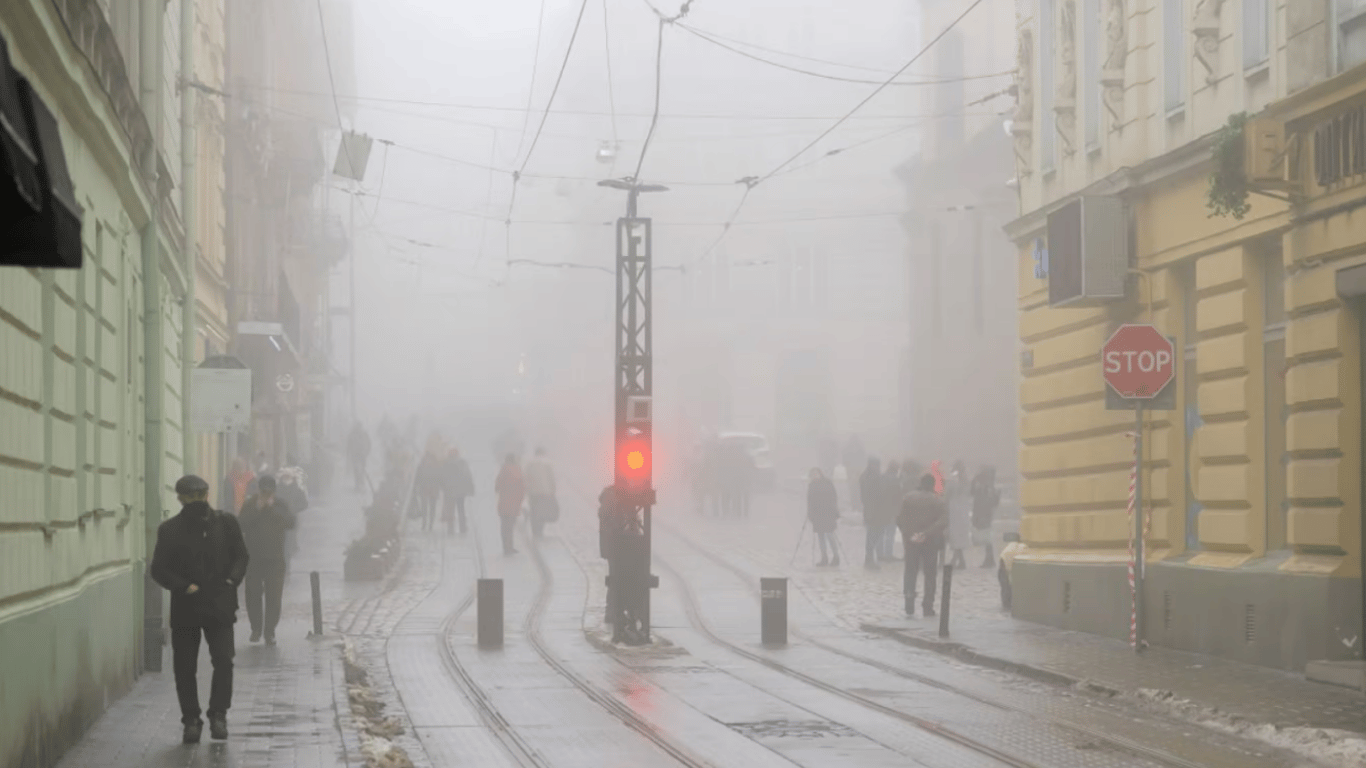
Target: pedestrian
{"points": [[358, 453], [822, 509], [457, 485], [201, 558], [511, 489], [266, 521], [427, 482], [959, 504], [239, 484], [870, 488], [855, 457], [922, 522], [542, 506], [986, 497]]}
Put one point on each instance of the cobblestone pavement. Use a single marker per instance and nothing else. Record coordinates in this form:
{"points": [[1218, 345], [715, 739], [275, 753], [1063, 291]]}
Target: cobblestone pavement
{"points": [[983, 633], [286, 700]]}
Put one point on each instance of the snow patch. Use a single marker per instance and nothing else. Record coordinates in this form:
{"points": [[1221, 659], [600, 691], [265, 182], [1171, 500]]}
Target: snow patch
{"points": [[375, 730], [1323, 746]]}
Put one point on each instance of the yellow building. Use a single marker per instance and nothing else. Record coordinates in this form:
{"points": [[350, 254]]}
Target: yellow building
{"points": [[1254, 478]]}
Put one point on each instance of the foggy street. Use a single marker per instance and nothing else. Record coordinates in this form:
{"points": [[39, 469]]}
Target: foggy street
{"points": [[598, 383]]}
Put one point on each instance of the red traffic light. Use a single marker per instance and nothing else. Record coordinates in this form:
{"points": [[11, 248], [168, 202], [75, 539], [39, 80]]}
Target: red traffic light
{"points": [[633, 460]]}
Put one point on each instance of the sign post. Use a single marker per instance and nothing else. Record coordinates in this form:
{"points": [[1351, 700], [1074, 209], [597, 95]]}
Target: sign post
{"points": [[1139, 365]]}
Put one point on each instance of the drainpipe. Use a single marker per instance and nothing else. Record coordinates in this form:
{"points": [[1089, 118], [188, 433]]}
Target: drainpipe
{"points": [[150, 68], [189, 193]]}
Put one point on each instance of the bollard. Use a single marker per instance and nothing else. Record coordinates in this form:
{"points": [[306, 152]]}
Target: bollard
{"points": [[944, 600], [773, 610], [490, 598], [317, 604]]}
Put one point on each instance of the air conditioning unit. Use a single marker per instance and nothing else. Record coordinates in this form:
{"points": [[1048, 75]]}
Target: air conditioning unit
{"points": [[1088, 252], [1264, 151]]}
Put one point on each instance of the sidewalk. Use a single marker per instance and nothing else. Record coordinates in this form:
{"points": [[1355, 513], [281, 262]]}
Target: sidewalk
{"points": [[285, 698], [1195, 686]]}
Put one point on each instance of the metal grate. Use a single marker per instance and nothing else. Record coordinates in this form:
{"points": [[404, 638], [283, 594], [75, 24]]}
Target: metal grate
{"points": [[1167, 610], [1249, 623], [1067, 597]]}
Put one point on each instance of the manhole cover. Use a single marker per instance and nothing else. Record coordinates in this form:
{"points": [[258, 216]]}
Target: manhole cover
{"points": [[811, 729]]}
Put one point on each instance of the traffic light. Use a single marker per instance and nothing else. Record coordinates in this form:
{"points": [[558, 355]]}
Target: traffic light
{"points": [[634, 461]]}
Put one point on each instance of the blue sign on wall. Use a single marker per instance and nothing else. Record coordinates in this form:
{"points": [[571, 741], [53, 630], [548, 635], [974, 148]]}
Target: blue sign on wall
{"points": [[1040, 259]]}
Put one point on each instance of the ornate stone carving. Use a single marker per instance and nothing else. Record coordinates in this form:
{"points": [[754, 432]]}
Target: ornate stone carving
{"points": [[1116, 54], [1205, 27], [1022, 124], [1065, 102]]}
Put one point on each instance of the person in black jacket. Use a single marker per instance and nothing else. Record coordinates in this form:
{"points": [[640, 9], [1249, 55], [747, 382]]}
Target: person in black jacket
{"points": [[266, 521], [823, 509], [457, 485], [201, 558]]}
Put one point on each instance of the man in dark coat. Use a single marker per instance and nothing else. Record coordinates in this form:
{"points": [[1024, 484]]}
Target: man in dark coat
{"points": [[200, 558], [986, 497], [922, 521], [823, 510], [266, 521], [457, 485]]}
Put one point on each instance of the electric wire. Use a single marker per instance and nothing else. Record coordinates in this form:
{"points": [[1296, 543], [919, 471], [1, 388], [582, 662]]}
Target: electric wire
{"points": [[564, 65], [332, 83], [531, 89], [862, 81], [751, 182], [611, 89], [659, 77], [876, 91]]}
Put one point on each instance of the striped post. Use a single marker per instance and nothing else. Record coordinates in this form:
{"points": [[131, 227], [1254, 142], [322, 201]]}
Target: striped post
{"points": [[1133, 587]]}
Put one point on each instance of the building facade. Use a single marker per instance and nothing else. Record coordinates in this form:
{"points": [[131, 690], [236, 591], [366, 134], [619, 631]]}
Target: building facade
{"points": [[961, 374], [1254, 478], [90, 415], [282, 239]]}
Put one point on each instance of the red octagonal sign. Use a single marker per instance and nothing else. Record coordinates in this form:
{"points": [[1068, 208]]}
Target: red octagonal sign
{"points": [[1138, 361]]}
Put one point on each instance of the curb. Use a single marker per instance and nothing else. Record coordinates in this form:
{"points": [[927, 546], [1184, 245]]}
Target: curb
{"points": [[966, 654]]}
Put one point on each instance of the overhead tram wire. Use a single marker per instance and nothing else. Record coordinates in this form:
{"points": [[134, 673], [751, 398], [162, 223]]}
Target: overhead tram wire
{"points": [[824, 76], [659, 76], [531, 89], [332, 84], [876, 91], [751, 182], [611, 89], [517, 175]]}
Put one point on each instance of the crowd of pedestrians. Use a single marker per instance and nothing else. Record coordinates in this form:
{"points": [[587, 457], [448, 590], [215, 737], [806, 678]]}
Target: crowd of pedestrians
{"points": [[936, 514]]}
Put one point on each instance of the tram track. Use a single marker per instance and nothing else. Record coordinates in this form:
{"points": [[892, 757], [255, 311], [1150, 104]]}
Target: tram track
{"points": [[1114, 742]]}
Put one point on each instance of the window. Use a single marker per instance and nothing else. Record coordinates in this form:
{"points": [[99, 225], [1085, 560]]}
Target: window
{"points": [[1048, 127], [949, 97], [1174, 54], [1091, 37], [797, 289], [936, 287], [1350, 18], [979, 310], [1256, 32], [1273, 340], [125, 19]]}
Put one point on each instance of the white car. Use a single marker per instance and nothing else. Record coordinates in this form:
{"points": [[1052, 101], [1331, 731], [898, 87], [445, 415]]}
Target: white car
{"points": [[756, 445]]}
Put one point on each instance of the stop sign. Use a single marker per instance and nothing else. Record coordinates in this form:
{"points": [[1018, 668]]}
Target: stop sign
{"points": [[1138, 361]]}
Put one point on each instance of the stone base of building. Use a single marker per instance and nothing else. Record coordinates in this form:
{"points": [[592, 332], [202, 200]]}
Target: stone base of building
{"points": [[1256, 614], [78, 655]]}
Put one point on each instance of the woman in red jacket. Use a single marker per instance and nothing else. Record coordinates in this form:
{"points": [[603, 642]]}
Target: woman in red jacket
{"points": [[511, 490]]}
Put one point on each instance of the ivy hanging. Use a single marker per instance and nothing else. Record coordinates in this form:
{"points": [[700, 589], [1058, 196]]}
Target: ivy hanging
{"points": [[1228, 188]]}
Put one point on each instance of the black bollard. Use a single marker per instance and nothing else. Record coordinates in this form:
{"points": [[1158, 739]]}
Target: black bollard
{"points": [[773, 610], [490, 598], [944, 600], [317, 604]]}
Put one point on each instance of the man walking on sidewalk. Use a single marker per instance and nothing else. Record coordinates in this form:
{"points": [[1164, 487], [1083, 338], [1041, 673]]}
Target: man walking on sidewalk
{"points": [[266, 521], [200, 558], [922, 522]]}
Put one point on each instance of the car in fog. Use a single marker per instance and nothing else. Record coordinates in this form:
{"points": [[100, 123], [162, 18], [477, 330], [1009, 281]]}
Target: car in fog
{"points": [[756, 445]]}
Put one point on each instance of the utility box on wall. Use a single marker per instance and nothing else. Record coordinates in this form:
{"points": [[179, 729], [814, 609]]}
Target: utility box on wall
{"points": [[1088, 252]]}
